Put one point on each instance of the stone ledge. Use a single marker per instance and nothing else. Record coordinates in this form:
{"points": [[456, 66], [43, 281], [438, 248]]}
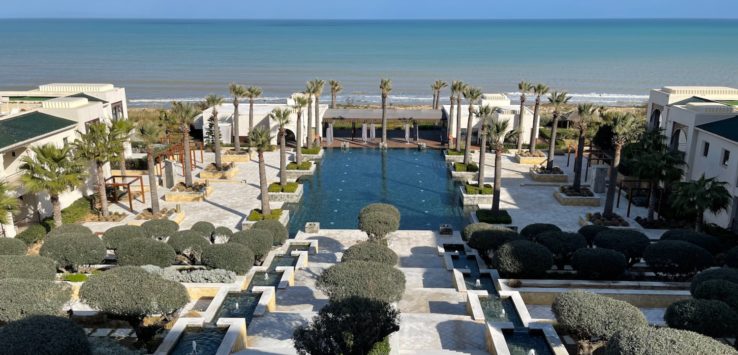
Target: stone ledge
{"points": [[474, 200], [564, 200], [295, 174], [529, 160], [315, 157], [284, 218], [555, 178], [289, 197]]}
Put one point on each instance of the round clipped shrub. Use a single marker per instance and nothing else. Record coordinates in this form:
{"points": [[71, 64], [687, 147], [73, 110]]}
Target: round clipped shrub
{"points": [[34, 233], [222, 232], [589, 316], [203, 227], [69, 229], [74, 250], [12, 246], [279, 232], [22, 298], [706, 241], [232, 256], [731, 258], [381, 208], [677, 258], [709, 317], [160, 229], [472, 229], [599, 264], [260, 241], [562, 245], [378, 224], [144, 251], [363, 279], [532, 230], [663, 341], [719, 290], [44, 335], [522, 258], [369, 251], [728, 274], [27, 267], [486, 240], [118, 234], [629, 242], [189, 241], [590, 232]]}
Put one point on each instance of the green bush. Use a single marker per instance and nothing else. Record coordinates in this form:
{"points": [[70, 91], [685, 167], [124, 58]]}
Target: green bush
{"points": [[382, 208], [12, 246], [473, 189], [522, 258], [590, 232], [466, 168], [488, 216], [378, 224], [362, 279], [589, 316], [20, 298], [113, 237], [311, 151], [629, 242], [44, 335], [562, 245], [279, 231], [75, 277], [305, 165], [145, 251], [709, 317], [256, 215], [719, 290], [222, 231], [663, 341], [276, 187], [203, 227], [160, 229], [486, 240], [69, 229], [259, 241], [34, 233], [172, 273], [725, 273], [381, 348], [677, 258], [27, 267], [473, 228], [232, 256], [370, 251], [74, 250], [731, 258], [532, 230], [708, 242], [599, 264]]}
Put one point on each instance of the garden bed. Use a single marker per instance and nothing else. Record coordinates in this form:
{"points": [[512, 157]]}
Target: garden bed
{"points": [[473, 199], [292, 193], [196, 193], [312, 154], [542, 175], [463, 172], [487, 216], [228, 171], [165, 213], [454, 156], [230, 156], [295, 171], [112, 217], [616, 221], [527, 159], [253, 217], [567, 197]]}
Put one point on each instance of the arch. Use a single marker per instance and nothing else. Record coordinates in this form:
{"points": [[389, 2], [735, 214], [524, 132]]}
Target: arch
{"points": [[655, 121], [290, 137], [678, 140]]}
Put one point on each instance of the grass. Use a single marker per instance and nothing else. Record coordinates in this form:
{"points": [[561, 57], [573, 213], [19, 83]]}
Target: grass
{"points": [[454, 152], [303, 166], [289, 188], [472, 189], [256, 215], [469, 168], [500, 217], [75, 277]]}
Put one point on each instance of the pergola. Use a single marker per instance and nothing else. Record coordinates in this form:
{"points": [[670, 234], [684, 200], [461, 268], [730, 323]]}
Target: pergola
{"points": [[126, 184], [369, 118]]}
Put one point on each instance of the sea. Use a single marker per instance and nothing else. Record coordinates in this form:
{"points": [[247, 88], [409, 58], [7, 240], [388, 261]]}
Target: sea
{"points": [[613, 62]]}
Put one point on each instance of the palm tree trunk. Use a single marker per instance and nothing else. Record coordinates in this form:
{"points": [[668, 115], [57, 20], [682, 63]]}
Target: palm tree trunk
{"points": [[384, 119], [186, 156], [123, 162], [56, 210], [467, 147], [482, 156], [282, 158], [535, 125], [310, 133], [610, 197], [265, 210], [578, 162], [101, 189], [458, 128], [152, 180], [216, 142], [298, 147], [498, 179], [698, 228], [652, 200], [333, 99], [316, 124], [251, 115], [236, 133], [552, 143], [521, 114], [458, 121]]}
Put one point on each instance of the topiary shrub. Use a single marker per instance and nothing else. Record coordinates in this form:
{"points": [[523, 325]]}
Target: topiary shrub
{"points": [[719, 290], [562, 245], [27, 267], [728, 274], [709, 317], [676, 258], [118, 234], [599, 264], [474, 228], [590, 232], [731, 258], [532, 230], [381, 208], [663, 341], [130, 293], [160, 229], [33, 234], [189, 244], [279, 232], [708, 242], [223, 232], [144, 251], [232, 256], [74, 250], [629, 242], [487, 240], [369, 251], [203, 227], [260, 241], [591, 317], [44, 335], [378, 224], [12, 246], [20, 298], [363, 279], [69, 229], [522, 258]]}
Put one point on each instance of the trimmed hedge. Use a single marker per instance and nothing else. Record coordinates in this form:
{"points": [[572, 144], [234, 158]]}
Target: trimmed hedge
{"points": [[378, 224], [708, 242], [363, 279], [627, 241], [590, 232], [34, 233], [12, 246], [664, 341], [195, 276], [144, 251], [724, 273], [487, 216], [113, 237], [731, 258], [74, 250], [709, 317], [259, 241], [599, 264], [562, 245], [160, 228], [719, 290], [203, 227], [21, 298], [188, 240], [532, 230], [370, 251], [486, 240], [44, 335], [589, 316], [472, 228], [279, 232], [69, 229], [222, 231], [232, 256], [27, 267], [522, 258], [382, 208], [677, 258]]}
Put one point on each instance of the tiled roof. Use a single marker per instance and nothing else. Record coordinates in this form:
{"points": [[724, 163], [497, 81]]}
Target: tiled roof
{"points": [[27, 126]]}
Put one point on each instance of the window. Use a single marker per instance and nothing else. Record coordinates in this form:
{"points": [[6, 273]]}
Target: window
{"points": [[705, 149], [726, 157]]}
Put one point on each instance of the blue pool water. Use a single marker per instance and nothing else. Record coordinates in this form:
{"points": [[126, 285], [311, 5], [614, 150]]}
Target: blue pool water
{"points": [[201, 341], [416, 182]]}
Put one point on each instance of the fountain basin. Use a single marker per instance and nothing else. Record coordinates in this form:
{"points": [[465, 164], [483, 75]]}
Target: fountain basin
{"points": [[526, 342], [201, 341], [238, 305]]}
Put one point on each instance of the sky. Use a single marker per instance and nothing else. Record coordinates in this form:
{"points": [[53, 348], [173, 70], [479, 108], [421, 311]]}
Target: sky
{"points": [[370, 9]]}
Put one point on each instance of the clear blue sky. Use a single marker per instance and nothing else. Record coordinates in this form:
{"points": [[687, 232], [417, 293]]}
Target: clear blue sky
{"points": [[369, 9]]}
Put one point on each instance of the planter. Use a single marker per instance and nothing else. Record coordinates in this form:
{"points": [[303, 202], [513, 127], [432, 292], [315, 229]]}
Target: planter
{"points": [[530, 160], [236, 158], [284, 218], [565, 200], [315, 157], [130, 172], [474, 200], [453, 158], [555, 178], [296, 174], [171, 215], [289, 197], [175, 196], [219, 175]]}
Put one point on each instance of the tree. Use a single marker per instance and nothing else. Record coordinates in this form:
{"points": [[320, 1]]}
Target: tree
{"points": [[39, 334], [336, 87], [99, 145], [456, 89], [472, 95], [150, 133], [319, 85], [539, 90], [437, 86], [124, 128], [485, 115], [260, 139], [586, 116], [557, 99], [310, 90], [385, 86], [524, 87], [299, 105], [238, 92], [282, 117], [183, 113], [625, 128], [8, 206], [498, 132], [462, 87], [214, 101], [252, 93], [52, 170], [697, 196]]}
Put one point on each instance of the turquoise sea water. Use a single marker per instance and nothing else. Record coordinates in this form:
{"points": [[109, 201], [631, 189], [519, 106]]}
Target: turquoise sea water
{"points": [[613, 61]]}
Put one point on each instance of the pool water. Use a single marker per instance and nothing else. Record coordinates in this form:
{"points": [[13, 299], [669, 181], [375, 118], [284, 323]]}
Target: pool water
{"points": [[500, 309], [414, 181], [521, 342], [297, 247], [282, 260], [267, 279], [200, 341], [238, 305]]}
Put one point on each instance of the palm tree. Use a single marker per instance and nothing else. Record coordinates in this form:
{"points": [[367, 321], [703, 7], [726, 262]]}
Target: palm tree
{"points": [[183, 113], [586, 115], [214, 101], [625, 128], [252, 93], [150, 133], [260, 139], [456, 88], [524, 87], [335, 89], [282, 117], [124, 128], [557, 99], [310, 90], [8, 206], [385, 86], [319, 85], [52, 170], [462, 87], [299, 105], [498, 132], [472, 95], [485, 115], [437, 86], [238, 92], [99, 145], [539, 90], [697, 196]]}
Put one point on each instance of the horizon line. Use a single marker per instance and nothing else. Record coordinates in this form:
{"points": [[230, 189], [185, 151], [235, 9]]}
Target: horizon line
{"points": [[373, 19]]}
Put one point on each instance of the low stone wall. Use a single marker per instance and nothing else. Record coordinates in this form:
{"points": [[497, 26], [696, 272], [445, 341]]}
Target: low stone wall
{"points": [[315, 157], [564, 200], [174, 196], [453, 158], [284, 219], [295, 174], [556, 178], [464, 176], [219, 175], [474, 200], [289, 197], [529, 160]]}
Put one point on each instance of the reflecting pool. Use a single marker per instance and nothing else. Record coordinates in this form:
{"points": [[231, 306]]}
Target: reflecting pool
{"points": [[201, 341]]}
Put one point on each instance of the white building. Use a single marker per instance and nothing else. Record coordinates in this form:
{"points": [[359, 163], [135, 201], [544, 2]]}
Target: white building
{"points": [[702, 123]]}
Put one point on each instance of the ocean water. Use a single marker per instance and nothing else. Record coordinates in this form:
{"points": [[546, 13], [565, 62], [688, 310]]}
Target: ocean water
{"points": [[607, 61]]}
